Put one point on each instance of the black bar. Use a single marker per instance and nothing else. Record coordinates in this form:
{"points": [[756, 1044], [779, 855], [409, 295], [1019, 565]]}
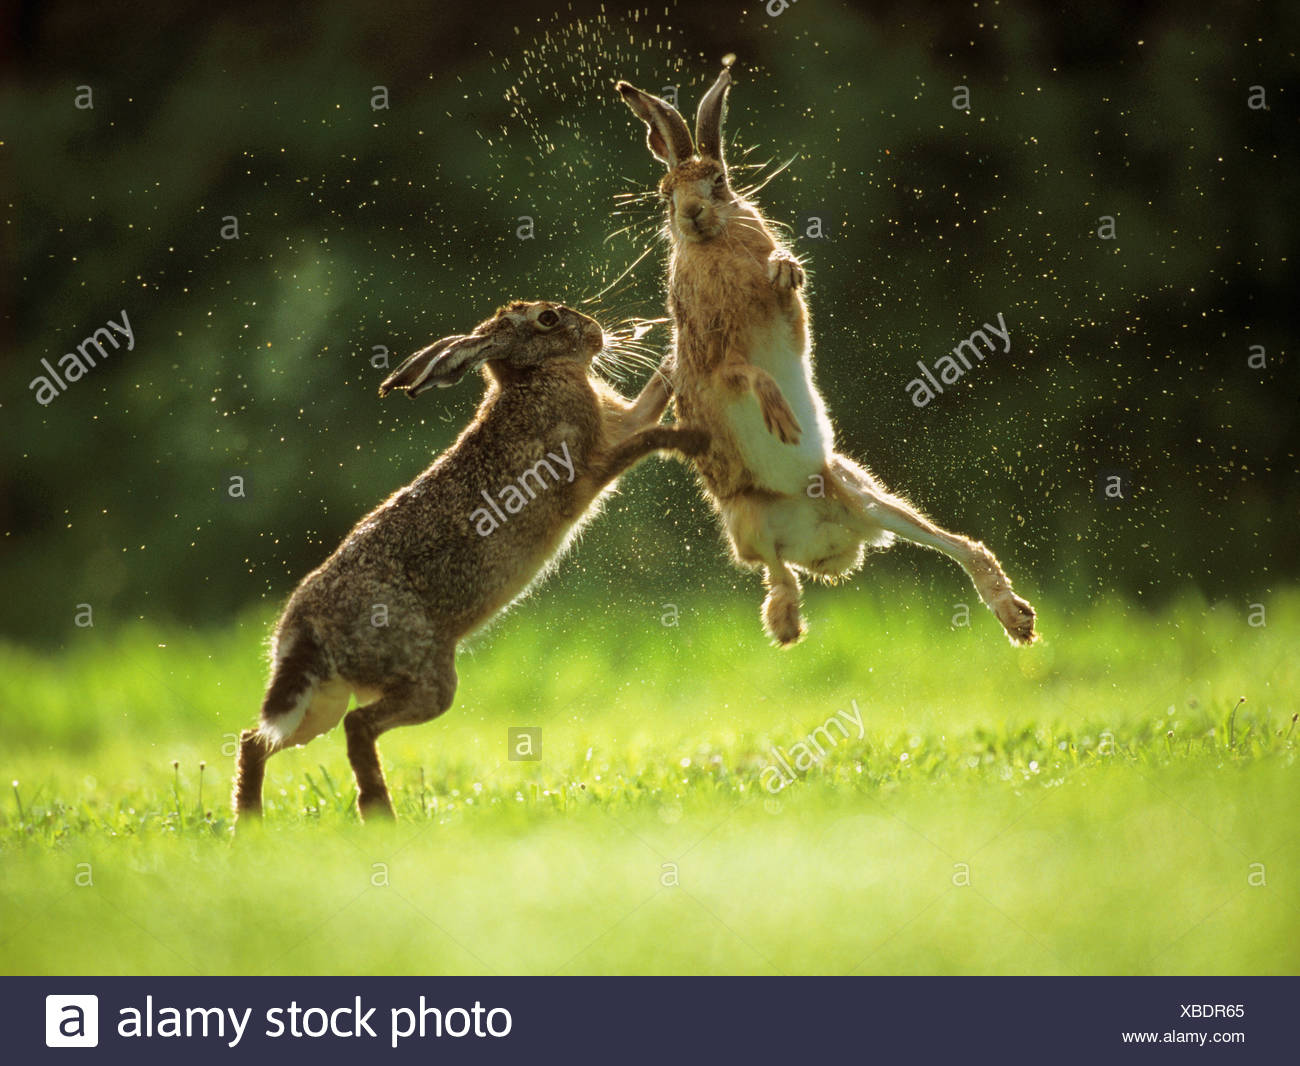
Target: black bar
{"points": [[662, 1020]]}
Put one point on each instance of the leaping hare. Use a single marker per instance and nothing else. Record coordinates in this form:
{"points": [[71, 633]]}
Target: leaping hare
{"points": [[381, 617], [789, 502]]}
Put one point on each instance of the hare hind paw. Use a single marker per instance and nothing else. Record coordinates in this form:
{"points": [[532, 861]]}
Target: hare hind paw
{"points": [[1017, 618], [375, 807], [782, 620]]}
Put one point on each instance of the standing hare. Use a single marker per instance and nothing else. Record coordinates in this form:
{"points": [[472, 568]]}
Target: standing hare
{"points": [[789, 502], [443, 555]]}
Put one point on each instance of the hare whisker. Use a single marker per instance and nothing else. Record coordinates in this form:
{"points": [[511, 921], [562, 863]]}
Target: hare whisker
{"points": [[635, 263], [632, 359], [629, 350], [764, 183]]}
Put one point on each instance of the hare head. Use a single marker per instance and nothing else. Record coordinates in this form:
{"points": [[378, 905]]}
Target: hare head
{"points": [[700, 200], [521, 336]]}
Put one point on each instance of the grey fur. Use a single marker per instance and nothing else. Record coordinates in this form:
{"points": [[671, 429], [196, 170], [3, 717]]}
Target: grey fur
{"points": [[420, 562]]}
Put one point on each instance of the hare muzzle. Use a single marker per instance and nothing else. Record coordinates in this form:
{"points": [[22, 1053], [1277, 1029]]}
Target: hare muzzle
{"points": [[695, 219]]}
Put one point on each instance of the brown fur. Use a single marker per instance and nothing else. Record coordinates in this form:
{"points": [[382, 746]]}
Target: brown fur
{"points": [[717, 291], [419, 554], [731, 287]]}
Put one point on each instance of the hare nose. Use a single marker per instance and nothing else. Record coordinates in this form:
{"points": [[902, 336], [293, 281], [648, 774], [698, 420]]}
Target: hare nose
{"points": [[693, 209]]}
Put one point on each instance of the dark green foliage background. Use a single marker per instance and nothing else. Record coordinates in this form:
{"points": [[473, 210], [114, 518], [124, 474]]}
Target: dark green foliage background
{"points": [[362, 228]]}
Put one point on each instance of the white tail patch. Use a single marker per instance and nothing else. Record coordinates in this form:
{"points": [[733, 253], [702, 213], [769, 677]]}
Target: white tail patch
{"points": [[318, 710], [276, 731]]}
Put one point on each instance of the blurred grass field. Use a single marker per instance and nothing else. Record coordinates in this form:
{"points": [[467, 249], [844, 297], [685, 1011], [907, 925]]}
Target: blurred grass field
{"points": [[1097, 804]]}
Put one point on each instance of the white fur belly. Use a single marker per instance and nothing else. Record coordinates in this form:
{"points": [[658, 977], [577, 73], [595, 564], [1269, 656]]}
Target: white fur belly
{"points": [[784, 468]]}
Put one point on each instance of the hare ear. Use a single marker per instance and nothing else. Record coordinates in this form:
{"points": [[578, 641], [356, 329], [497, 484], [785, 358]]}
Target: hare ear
{"points": [[708, 119], [443, 364], [668, 136]]}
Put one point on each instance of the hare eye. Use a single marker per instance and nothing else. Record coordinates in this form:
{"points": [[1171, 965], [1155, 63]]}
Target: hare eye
{"points": [[548, 319]]}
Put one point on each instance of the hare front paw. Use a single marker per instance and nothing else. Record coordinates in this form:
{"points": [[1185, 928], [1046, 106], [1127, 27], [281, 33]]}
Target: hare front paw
{"points": [[777, 416], [784, 271]]}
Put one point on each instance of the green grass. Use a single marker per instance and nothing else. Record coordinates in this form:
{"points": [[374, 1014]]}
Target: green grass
{"points": [[1103, 793]]}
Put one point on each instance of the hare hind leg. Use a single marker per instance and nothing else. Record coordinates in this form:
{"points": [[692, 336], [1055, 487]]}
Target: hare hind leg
{"points": [[250, 769], [748, 519], [400, 704], [878, 509], [298, 705], [781, 615], [288, 718]]}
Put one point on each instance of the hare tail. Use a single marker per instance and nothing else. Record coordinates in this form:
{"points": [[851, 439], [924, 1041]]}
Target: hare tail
{"points": [[295, 678]]}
